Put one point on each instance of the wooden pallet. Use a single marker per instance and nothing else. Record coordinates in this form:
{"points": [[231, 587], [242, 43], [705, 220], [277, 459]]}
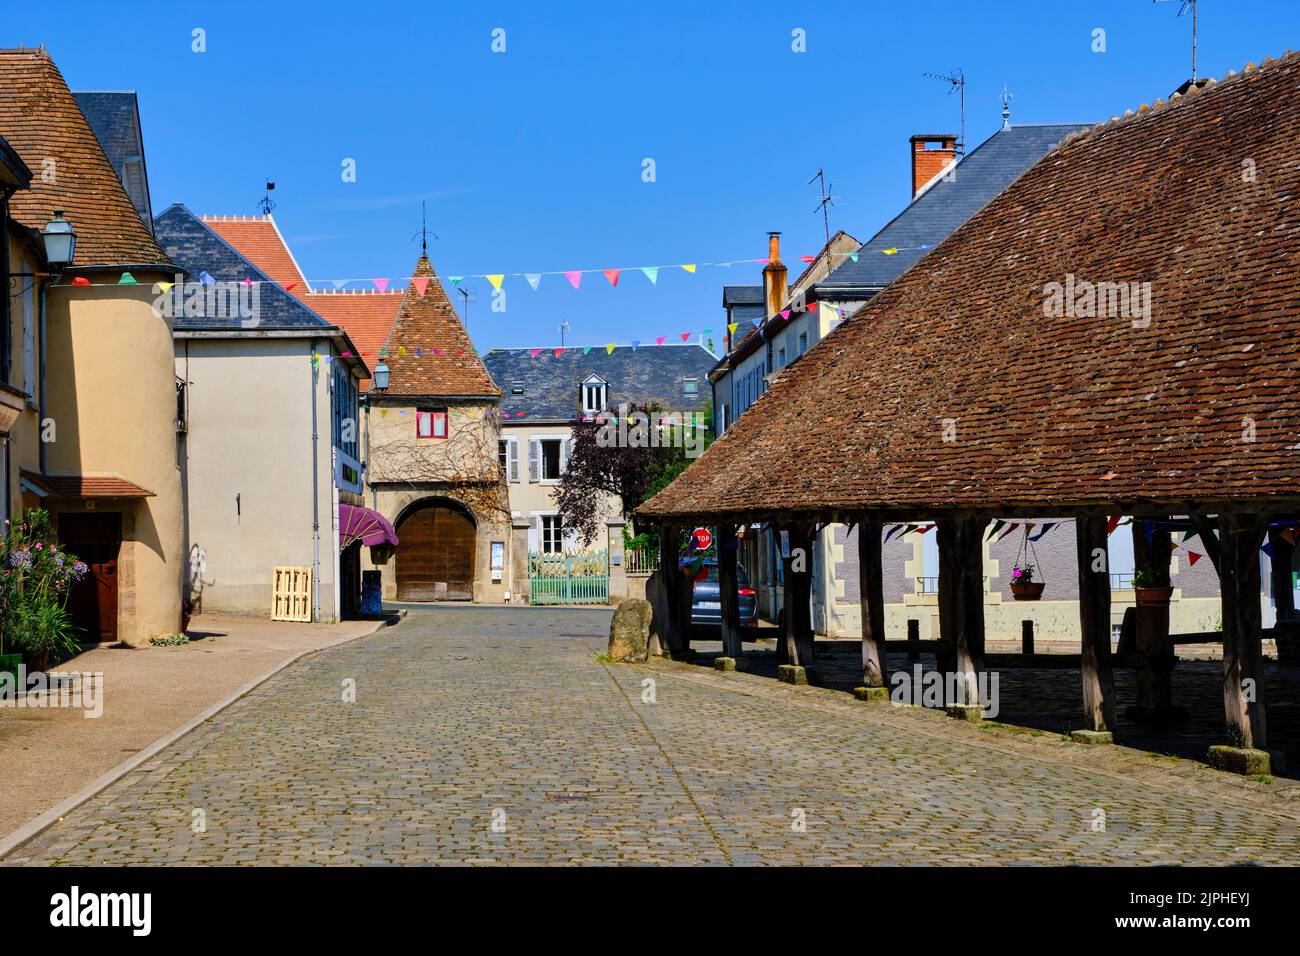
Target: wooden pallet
{"points": [[291, 595]]}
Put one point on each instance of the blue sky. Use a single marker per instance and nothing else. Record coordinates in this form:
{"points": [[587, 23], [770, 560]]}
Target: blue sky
{"points": [[531, 160]]}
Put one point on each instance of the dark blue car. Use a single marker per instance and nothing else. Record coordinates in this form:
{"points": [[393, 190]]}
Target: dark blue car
{"points": [[706, 607]]}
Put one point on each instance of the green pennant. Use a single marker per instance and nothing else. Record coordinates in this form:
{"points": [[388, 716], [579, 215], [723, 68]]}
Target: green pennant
{"points": [[997, 526], [1190, 534], [127, 279], [455, 280]]}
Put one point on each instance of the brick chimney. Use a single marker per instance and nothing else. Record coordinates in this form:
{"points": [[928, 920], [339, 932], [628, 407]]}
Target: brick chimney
{"points": [[930, 155], [775, 282]]}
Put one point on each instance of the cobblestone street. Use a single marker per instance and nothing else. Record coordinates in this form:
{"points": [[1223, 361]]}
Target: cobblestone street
{"points": [[495, 735]]}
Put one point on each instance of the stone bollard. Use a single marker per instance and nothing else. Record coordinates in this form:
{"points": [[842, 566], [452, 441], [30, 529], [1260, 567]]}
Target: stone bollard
{"points": [[629, 631]]}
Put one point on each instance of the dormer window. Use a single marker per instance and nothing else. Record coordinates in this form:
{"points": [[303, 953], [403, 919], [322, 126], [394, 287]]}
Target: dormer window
{"points": [[690, 387], [516, 388], [594, 395]]}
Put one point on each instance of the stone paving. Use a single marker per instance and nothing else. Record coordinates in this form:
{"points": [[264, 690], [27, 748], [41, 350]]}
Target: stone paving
{"points": [[495, 735]]}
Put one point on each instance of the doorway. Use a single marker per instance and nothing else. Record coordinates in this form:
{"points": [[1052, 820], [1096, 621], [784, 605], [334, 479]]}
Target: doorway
{"points": [[435, 561], [92, 602]]}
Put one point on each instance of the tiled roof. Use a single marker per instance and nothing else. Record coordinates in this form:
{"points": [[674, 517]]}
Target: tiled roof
{"points": [[196, 248], [742, 295], [988, 169], [41, 120], [367, 317], [551, 383], [428, 352], [114, 117], [258, 238], [1047, 412], [87, 486]]}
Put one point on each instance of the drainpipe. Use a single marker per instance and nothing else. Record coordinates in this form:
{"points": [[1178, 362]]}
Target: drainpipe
{"points": [[315, 492], [41, 400]]}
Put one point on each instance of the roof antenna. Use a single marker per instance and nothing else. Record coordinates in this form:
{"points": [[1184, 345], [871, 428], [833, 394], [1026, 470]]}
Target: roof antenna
{"points": [[1188, 5], [1006, 107], [827, 200], [424, 231], [266, 204], [957, 82], [465, 294], [564, 327]]}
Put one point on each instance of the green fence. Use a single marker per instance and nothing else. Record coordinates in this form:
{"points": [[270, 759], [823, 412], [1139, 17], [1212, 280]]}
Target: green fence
{"points": [[568, 578]]}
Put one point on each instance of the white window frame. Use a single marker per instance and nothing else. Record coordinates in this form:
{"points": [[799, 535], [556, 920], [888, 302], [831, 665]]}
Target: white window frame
{"points": [[601, 387], [541, 458], [550, 540]]}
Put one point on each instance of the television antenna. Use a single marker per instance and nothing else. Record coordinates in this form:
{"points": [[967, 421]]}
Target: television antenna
{"points": [[468, 297], [1182, 10], [564, 327], [827, 200], [956, 81], [266, 203], [424, 232]]}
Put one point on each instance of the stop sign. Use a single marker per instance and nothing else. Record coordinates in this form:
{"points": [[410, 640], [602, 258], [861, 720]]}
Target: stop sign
{"points": [[702, 538]]}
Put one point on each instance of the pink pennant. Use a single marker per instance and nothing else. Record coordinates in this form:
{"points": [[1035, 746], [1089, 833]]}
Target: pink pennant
{"points": [[612, 276], [685, 336], [421, 283], [436, 350], [559, 352], [659, 341], [785, 313], [534, 352], [380, 284], [575, 278], [805, 258]]}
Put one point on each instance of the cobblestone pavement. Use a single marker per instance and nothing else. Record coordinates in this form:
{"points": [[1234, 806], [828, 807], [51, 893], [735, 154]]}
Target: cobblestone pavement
{"points": [[468, 716]]}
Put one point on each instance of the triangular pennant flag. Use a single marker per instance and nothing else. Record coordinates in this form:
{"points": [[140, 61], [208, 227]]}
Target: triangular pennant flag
{"points": [[290, 286], [926, 245], [247, 281], [685, 336], [127, 279], [586, 349], [853, 256], [496, 281], [689, 268], [455, 280], [805, 258], [338, 283], [998, 525], [380, 284], [419, 350], [1112, 523], [758, 323], [635, 343], [575, 278], [609, 349], [421, 284], [1043, 530], [1010, 528], [401, 351], [612, 275], [436, 350], [559, 352], [651, 273], [165, 286], [890, 251], [659, 340], [785, 313], [534, 279], [1189, 535], [82, 280], [535, 352], [1267, 548], [811, 306], [732, 326], [708, 331], [205, 279], [1193, 557], [890, 533]]}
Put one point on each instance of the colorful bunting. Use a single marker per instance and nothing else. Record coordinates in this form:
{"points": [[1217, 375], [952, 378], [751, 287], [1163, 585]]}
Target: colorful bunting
{"points": [[651, 273], [421, 284], [686, 336], [380, 284], [659, 340], [81, 280], [496, 281], [534, 279], [127, 279], [612, 275], [205, 279], [690, 268], [535, 352], [575, 278], [609, 349], [732, 326], [455, 280]]}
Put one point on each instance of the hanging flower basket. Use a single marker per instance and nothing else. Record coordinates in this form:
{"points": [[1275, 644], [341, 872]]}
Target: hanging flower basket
{"points": [[1028, 590], [1023, 585], [1146, 594]]}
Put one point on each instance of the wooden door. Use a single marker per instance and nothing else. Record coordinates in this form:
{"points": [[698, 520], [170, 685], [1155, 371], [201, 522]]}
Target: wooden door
{"points": [[92, 602], [435, 560]]}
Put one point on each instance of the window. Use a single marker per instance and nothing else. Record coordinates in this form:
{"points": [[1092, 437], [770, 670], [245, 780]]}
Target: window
{"points": [[503, 454], [431, 423], [344, 411], [593, 396], [516, 388], [803, 342], [780, 357], [551, 453], [547, 458], [552, 534], [690, 387], [508, 455]]}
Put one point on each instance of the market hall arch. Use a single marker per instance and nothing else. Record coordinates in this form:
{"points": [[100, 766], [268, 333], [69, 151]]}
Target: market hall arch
{"points": [[437, 556]]}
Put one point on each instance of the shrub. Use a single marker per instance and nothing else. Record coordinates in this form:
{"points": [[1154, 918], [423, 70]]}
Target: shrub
{"points": [[35, 579]]}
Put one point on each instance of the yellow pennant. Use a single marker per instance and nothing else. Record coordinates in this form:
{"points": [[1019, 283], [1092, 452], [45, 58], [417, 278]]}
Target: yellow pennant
{"points": [[496, 281], [732, 327], [401, 350], [689, 268], [165, 286], [890, 251], [609, 349]]}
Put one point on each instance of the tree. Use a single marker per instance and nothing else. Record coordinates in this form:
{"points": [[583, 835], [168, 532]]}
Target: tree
{"points": [[630, 457]]}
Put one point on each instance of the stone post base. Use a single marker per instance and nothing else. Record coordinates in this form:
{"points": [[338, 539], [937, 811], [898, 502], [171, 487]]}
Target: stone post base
{"points": [[724, 663], [1092, 736], [794, 674], [1242, 760], [972, 712], [871, 693]]}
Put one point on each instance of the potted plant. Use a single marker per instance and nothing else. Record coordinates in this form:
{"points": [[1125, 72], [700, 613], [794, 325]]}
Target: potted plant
{"points": [[1023, 585], [1148, 595]]}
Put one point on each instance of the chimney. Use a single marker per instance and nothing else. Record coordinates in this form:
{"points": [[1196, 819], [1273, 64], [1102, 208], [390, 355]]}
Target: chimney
{"points": [[774, 276], [930, 156]]}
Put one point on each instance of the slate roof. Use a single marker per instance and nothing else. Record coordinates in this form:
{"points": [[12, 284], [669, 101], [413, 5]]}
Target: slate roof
{"points": [[114, 117], [1053, 413], [195, 247], [41, 120], [742, 295], [988, 169], [648, 374], [428, 351]]}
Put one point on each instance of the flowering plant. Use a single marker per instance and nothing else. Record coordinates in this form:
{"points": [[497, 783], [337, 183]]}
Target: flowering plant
{"points": [[35, 578], [1022, 574]]}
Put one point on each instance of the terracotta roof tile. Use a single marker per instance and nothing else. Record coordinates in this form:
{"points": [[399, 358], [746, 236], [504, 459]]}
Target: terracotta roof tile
{"points": [[367, 317], [1200, 198], [40, 119], [258, 239], [87, 486]]}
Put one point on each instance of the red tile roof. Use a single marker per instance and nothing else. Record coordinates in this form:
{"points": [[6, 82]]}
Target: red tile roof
{"points": [[258, 239], [87, 486], [1062, 412], [367, 317], [429, 351], [40, 119]]}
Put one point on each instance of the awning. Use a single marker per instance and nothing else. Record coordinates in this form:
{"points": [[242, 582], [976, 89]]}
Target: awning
{"points": [[83, 486], [357, 524]]}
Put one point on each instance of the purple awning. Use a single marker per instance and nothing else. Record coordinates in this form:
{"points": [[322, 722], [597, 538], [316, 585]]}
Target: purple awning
{"points": [[364, 525]]}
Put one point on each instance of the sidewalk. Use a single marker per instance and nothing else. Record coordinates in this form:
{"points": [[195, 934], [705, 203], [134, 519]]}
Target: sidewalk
{"points": [[48, 754]]}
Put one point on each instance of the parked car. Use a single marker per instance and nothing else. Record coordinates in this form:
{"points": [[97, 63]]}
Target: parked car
{"points": [[706, 606]]}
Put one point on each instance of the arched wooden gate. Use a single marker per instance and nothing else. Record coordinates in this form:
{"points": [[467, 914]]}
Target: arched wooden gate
{"points": [[435, 561]]}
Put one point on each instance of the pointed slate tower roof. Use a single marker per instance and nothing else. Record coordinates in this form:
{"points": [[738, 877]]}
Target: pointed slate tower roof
{"points": [[429, 352]]}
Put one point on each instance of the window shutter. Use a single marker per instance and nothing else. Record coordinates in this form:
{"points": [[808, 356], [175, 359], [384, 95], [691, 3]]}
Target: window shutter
{"points": [[29, 342], [534, 460], [565, 446], [512, 459]]}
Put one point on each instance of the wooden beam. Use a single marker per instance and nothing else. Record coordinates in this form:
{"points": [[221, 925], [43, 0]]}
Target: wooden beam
{"points": [[1207, 531], [729, 588], [1094, 624], [871, 596], [1281, 561], [1153, 552], [1243, 656], [798, 638], [664, 600], [961, 602]]}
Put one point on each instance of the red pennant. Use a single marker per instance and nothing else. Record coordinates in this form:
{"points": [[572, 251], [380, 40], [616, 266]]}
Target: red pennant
{"points": [[290, 286], [421, 283], [559, 352], [1193, 557], [812, 306], [659, 340], [81, 280], [685, 336], [612, 275]]}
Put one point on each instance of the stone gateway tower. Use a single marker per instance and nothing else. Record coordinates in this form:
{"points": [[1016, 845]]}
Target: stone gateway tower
{"points": [[433, 438]]}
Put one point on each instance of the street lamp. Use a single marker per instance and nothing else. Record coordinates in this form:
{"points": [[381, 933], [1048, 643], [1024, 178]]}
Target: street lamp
{"points": [[381, 377], [60, 241]]}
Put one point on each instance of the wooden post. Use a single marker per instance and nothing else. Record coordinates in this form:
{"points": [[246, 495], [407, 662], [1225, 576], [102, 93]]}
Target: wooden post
{"points": [[913, 638], [1094, 624], [729, 589], [871, 597], [1281, 561], [1154, 677], [961, 602], [1027, 636], [798, 594], [667, 615], [1243, 656]]}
